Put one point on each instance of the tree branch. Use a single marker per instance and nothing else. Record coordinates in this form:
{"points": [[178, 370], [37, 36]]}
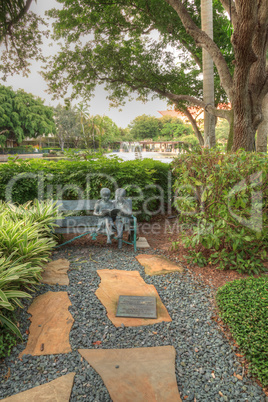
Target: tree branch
{"points": [[229, 6], [196, 59], [203, 40], [22, 12], [3, 131], [223, 113], [194, 125]]}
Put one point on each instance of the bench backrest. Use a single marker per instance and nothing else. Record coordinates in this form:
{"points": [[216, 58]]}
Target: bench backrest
{"points": [[80, 205], [76, 205]]}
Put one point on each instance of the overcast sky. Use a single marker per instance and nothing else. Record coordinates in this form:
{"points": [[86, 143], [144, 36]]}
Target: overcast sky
{"points": [[36, 85]]}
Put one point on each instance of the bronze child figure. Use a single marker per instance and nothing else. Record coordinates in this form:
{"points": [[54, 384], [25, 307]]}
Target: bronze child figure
{"points": [[103, 209], [124, 212]]}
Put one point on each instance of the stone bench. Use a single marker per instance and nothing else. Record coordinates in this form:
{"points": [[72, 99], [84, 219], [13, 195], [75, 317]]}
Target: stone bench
{"points": [[88, 224]]}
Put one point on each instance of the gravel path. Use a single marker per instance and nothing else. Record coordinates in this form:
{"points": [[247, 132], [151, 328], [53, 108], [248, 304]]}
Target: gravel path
{"points": [[205, 362]]}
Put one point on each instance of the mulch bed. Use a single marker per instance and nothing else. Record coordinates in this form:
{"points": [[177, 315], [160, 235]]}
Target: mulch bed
{"points": [[160, 233]]}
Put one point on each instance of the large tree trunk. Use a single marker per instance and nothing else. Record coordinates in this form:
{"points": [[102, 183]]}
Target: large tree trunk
{"points": [[249, 84], [250, 76], [208, 74], [231, 131], [261, 143]]}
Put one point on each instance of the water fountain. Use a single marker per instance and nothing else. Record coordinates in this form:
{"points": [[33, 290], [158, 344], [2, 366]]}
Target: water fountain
{"points": [[134, 150]]}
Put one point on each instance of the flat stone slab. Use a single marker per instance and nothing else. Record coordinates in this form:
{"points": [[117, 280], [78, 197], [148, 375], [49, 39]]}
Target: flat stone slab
{"points": [[136, 374], [50, 327], [115, 283], [58, 390], [157, 265], [56, 272], [142, 243]]}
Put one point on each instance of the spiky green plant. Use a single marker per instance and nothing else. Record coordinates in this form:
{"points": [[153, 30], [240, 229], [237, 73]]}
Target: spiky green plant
{"points": [[26, 231], [13, 274], [25, 243]]}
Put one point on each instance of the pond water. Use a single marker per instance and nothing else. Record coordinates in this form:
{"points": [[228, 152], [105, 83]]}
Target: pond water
{"points": [[130, 156]]}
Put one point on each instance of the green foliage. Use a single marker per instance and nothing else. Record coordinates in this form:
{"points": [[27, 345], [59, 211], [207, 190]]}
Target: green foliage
{"points": [[8, 338], [148, 127], [172, 128], [23, 115], [222, 130], [13, 275], [190, 139], [109, 132], [125, 56], [243, 306], [225, 199], [23, 149], [84, 179], [144, 127], [21, 36], [95, 131], [68, 128], [25, 244]]}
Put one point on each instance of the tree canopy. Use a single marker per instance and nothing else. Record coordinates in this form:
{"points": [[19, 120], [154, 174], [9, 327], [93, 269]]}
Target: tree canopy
{"points": [[133, 46], [172, 127], [146, 127], [20, 36], [23, 115], [67, 125]]}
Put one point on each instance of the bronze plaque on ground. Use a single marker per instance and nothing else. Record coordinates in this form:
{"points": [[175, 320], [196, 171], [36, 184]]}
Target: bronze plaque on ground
{"points": [[136, 306]]}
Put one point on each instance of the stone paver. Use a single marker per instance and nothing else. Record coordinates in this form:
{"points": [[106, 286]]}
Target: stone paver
{"points": [[157, 265], [58, 390], [115, 283], [56, 272], [51, 323], [136, 375]]}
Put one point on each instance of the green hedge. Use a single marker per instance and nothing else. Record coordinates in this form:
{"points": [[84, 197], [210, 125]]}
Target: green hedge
{"points": [[224, 198], [243, 306], [139, 177]]}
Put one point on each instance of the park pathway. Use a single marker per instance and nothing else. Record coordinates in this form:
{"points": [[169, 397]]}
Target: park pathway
{"points": [[78, 348]]}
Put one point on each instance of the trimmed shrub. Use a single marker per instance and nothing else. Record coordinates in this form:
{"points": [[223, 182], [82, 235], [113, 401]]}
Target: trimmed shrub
{"points": [[224, 198], [243, 306], [63, 179]]}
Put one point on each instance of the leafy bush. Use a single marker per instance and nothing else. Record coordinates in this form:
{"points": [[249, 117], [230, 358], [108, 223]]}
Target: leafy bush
{"points": [[25, 244], [190, 139], [243, 306], [24, 232], [225, 200], [84, 179], [8, 338], [12, 276]]}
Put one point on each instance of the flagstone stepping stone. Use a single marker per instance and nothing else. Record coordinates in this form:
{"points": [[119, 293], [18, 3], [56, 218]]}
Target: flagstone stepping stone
{"points": [[58, 390], [56, 272], [142, 243], [138, 374], [115, 283], [157, 265], [51, 323]]}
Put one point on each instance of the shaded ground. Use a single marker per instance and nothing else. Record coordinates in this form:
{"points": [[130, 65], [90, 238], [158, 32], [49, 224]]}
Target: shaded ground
{"points": [[162, 233], [207, 366]]}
